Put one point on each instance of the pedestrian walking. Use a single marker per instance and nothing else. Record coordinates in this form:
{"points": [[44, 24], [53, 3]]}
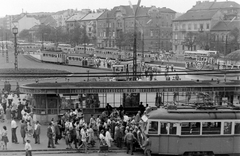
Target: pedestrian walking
{"points": [[84, 139], [8, 114], [129, 139], [28, 147], [14, 129], [37, 131], [5, 137], [23, 130], [50, 136], [108, 138], [147, 146]]}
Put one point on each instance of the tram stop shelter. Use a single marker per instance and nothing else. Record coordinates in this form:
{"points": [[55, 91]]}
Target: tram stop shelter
{"points": [[52, 99]]}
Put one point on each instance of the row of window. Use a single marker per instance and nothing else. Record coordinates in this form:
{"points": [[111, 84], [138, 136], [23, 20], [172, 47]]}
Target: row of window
{"points": [[190, 26], [194, 128], [77, 58], [52, 55]]}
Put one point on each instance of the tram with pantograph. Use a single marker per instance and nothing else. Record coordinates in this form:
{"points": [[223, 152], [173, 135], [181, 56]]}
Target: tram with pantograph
{"points": [[191, 131]]}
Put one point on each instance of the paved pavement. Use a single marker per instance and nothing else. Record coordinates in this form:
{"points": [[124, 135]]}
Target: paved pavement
{"points": [[73, 154], [43, 141]]}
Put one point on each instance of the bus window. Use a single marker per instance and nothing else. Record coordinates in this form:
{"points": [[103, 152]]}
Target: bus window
{"points": [[168, 128], [190, 128], [211, 128], [237, 128], [227, 127], [153, 127]]}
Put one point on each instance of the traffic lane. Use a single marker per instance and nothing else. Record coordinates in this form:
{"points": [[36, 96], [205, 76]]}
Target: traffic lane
{"points": [[27, 63]]}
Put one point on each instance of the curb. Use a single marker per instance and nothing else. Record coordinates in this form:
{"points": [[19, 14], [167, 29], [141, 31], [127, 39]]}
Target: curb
{"points": [[61, 150]]}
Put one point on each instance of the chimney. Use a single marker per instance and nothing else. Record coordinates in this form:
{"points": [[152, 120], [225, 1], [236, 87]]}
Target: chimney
{"points": [[198, 2]]}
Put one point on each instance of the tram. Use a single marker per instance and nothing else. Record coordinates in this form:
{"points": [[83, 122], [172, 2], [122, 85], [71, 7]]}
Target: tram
{"points": [[190, 131], [61, 57], [113, 53]]}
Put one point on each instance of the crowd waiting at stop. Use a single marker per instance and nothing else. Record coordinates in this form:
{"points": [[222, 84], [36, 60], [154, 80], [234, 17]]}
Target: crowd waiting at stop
{"points": [[113, 127]]}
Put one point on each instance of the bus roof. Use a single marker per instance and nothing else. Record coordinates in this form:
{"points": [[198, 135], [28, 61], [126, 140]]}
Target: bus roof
{"points": [[193, 114]]}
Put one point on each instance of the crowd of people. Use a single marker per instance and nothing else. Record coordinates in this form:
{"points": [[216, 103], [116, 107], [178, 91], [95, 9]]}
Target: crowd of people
{"points": [[113, 127]]}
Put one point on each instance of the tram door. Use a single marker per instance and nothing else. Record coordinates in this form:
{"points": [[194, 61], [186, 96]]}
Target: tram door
{"points": [[131, 99]]}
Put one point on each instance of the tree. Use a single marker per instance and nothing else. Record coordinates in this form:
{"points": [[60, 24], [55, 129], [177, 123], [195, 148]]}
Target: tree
{"points": [[125, 40], [25, 35], [234, 38], [190, 40], [5, 32], [119, 39], [44, 32], [204, 40]]}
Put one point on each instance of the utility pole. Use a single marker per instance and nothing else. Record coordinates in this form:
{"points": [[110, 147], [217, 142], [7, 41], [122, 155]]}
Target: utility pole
{"points": [[2, 45], [135, 42], [84, 39], [7, 59], [142, 45]]}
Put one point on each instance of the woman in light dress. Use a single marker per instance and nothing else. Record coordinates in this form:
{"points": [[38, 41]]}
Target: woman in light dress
{"points": [[108, 138]]}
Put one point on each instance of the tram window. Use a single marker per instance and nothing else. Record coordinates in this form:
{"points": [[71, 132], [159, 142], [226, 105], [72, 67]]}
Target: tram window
{"points": [[153, 127], [211, 128], [190, 128], [237, 128], [227, 127], [168, 128]]}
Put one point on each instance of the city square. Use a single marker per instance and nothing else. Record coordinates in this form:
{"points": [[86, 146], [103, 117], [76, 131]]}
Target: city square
{"points": [[120, 78]]}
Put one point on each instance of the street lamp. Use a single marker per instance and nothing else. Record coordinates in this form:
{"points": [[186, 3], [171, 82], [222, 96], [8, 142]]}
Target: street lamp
{"points": [[15, 31]]}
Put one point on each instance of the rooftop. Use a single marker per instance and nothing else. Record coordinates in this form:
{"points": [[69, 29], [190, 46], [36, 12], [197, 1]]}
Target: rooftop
{"points": [[92, 16], [76, 17], [226, 25], [197, 15], [214, 5]]}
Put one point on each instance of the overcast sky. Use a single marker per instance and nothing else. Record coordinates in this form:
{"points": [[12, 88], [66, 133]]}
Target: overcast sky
{"points": [[12, 7]]}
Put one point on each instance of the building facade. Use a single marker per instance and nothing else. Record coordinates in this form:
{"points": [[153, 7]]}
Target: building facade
{"points": [[25, 22], [62, 16], [223, 36], [155, 29], [201, 18], [90, 23], [75, 19]]}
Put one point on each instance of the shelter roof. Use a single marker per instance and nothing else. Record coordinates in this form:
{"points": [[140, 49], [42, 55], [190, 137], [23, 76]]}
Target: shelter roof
{"points": [[126, 84], [235, 55]]}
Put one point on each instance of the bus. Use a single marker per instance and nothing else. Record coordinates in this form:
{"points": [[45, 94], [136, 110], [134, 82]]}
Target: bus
{"points": [[199, 53]]}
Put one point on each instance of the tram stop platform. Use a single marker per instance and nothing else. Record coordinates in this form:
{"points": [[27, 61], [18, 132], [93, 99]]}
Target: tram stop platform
{"points": [[43, 146]]}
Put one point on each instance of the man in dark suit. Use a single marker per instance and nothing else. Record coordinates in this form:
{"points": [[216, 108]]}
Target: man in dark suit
{"points": [[50, 136], [37, 130]]}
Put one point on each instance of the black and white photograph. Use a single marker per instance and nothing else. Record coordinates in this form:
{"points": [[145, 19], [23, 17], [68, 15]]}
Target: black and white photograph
{"points": [[119, 77]]}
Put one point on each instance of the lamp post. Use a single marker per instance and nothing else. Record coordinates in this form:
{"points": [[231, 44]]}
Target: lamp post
{"points": [[15, 31]]}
